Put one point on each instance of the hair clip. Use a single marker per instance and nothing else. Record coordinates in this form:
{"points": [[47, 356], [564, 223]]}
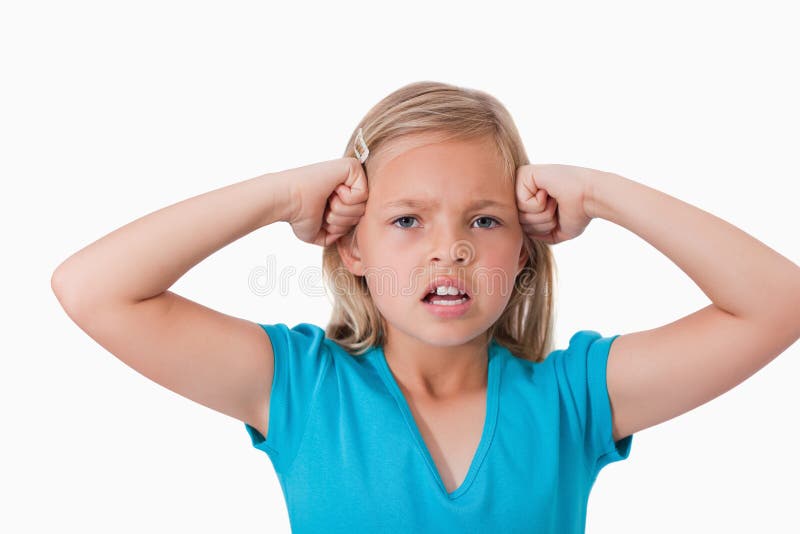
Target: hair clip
{"points": [[362, 156]]}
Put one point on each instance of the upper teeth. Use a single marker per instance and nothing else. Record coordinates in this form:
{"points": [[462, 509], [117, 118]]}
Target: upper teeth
{"points": [[447, 290]]}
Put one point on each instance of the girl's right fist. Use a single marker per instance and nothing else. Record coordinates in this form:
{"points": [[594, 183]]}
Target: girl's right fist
{"points": [[330, 198]]}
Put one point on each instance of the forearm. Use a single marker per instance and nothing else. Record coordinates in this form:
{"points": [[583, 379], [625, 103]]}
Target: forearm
{"points": [[740, 274], [145, 257]]}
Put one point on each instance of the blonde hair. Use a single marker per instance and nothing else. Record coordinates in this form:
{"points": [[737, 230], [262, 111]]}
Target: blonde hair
{"points": [[525, 327]]}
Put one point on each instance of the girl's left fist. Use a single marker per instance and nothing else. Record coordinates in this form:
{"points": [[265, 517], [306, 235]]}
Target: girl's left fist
{"points": [[550, 200]]}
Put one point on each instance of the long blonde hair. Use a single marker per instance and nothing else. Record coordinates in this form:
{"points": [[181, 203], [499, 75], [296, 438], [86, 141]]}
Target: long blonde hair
{"points": [[526, 325]]}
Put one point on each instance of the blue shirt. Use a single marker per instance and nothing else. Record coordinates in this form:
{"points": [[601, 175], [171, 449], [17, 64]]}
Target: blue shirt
{"points": [[350, 457]]}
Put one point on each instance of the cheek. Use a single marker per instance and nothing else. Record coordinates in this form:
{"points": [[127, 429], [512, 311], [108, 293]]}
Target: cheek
{"points": [[498, 250], [497, 268], [390, 271]]}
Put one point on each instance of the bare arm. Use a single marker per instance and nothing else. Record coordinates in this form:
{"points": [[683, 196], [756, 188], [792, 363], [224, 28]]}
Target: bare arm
{"points": [[145, 257], [657, 374], [115, 289]]}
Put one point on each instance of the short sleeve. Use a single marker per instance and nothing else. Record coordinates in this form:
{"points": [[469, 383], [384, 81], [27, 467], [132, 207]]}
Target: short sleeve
{"points": [[581, 370], [301, 360]]}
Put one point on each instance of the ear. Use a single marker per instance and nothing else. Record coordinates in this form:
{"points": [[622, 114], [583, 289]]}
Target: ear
{"points": [[347, 245]]}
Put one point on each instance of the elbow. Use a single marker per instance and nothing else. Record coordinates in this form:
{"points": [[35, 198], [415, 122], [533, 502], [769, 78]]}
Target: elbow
{"points": [[66, 289], [57, 282], [59, 286]]}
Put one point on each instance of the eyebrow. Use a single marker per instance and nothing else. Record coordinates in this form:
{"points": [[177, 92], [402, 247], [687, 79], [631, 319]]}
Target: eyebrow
{"points": [[414, 203]]}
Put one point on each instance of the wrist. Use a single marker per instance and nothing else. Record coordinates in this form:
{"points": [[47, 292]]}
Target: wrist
{"points": [[282, 195], [594, 203]]}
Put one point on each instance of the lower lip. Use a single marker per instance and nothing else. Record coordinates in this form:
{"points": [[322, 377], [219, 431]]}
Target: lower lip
{"points": [[448, 312]]}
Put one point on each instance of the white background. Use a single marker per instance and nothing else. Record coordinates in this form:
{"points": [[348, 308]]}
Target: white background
{"points": [[113, 110]]}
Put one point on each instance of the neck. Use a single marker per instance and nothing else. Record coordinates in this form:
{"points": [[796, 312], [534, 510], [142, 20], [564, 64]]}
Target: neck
{"points": [[437, 372]]}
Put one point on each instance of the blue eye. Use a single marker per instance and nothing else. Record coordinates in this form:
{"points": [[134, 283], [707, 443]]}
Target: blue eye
{"points": [[401, 218], [497, 223]]}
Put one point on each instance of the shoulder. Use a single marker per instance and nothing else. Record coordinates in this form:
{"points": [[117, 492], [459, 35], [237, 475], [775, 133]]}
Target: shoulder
{"points": [[304, 330], [582, 346], [298, 336], [306, 338], [582, 359]]}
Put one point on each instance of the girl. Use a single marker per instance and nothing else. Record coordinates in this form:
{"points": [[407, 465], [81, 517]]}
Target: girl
{"points": [[434, 400]]}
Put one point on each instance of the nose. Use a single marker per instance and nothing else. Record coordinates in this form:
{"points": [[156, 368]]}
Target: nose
{"points": [[450, 246]]}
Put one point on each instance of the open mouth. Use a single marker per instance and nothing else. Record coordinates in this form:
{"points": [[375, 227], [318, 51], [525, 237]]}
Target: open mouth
{"points": [[445, 300]]}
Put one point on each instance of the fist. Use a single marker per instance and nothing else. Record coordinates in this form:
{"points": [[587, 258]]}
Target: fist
{"points": [[331, 198], [550, 201]]}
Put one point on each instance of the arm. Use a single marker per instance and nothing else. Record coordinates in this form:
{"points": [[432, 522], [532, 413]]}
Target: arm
{"points": [[145, 257], [657, 374], [115, 289]]}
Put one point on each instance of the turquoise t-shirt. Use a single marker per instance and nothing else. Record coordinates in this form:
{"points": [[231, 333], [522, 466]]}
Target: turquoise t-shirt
{"points": [[350, 458]]}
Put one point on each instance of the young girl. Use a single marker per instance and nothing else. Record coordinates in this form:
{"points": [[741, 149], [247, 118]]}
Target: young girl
{"points": [[433, 401]]}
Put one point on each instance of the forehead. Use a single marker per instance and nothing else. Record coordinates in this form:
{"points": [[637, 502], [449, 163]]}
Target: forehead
{"points": [[425, 164]]}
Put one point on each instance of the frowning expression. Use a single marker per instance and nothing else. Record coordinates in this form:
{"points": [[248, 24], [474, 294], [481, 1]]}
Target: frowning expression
{"points": [[440, 208]]}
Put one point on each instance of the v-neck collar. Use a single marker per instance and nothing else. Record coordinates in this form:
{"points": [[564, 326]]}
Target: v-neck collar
{"points": [[490, 420]]}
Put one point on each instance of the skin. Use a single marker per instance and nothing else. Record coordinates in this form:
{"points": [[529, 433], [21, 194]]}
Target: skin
{"points": [[652, 375], [401, 249]]}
